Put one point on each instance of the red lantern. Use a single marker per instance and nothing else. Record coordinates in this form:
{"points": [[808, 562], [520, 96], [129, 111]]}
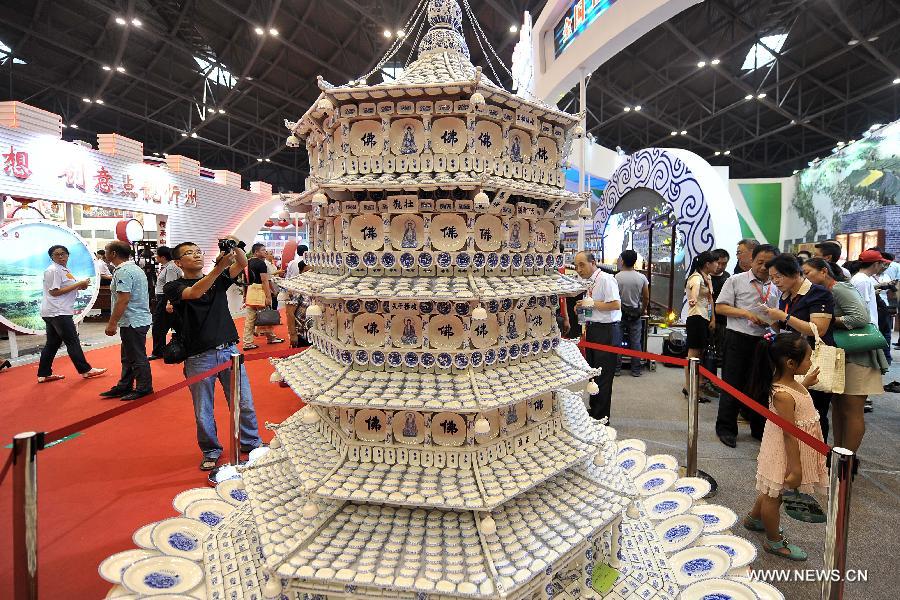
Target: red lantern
{"points": [[269, 223], [283, 223]]}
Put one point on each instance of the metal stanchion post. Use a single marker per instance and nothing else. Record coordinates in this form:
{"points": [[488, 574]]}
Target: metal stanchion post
{"points": [[690, 468], [234, 419], [693, 415], [237, 360], [837, 526], [24, 513]]}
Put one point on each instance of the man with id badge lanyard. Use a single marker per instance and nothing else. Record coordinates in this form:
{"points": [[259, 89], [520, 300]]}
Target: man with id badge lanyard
{"points": [[743, 300]]}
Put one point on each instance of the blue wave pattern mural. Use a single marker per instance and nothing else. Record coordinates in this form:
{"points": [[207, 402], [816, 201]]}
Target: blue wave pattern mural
{"points": [[660, 171]]}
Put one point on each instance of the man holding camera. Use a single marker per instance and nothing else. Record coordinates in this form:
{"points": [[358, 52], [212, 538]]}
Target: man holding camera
{"points": [[210, 339]]}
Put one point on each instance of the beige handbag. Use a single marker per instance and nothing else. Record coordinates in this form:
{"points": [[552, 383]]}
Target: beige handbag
{"points": [[256, 296], [830, 361]]}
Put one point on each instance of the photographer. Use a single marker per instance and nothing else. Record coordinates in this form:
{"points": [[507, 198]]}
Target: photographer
{"points": [[209, 336]]}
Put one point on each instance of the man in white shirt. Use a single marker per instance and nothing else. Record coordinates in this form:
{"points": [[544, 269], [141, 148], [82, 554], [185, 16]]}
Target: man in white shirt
{"points": [[57, 311], [102, 267], [602, 316]]}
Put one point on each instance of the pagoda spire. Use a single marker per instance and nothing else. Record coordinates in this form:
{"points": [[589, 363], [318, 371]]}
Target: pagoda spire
{"points": [[446, 32]]}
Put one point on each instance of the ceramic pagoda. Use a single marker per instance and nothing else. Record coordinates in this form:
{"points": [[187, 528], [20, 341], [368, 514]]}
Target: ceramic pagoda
{"points": [[445, 450]]}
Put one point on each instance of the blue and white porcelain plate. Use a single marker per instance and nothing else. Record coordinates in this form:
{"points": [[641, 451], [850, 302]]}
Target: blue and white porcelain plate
{"points": [[361, 357], [461, 361], [679, 532], [479, 260], [370, 259], [425, 260], [654, 482], [377, 358], [427, 360], [764, 591], [444, 308], [632, 462], [394, 359], [477, 358], [208, 511], [661, 461], [353, 306], [180, 536], [444, 260], [504, 261], [493, 260], [411, 360], [717, 589], [740, 551], [426, 307], [716, 518], [631, 444], [514, 351], [371, 306], [506, 304], [182, 500], [463, 260], [502, 352], [114, 566], [695, 487], [462, 308], [490, 357], [699, 562], [665, 505], [388, 260], [353, 260], [444, 360], [141, 537], [162, 575], [516, 261], [529, 261]]}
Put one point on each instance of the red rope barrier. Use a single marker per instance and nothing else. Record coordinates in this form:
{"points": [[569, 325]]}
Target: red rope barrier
{"points": [[816, 444]]}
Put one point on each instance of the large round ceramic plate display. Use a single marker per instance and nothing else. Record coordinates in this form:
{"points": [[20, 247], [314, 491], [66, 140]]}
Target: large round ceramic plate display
{"points": [[23, 260], [518, 235], [654, 482], [445, 332], [448, 232], [407, 232], [699, 562], [718, 589], [631, 461], [665, 505], [544, 236], [180, 536], [661, 461], [141, 537], [406, 329], [162, 575], [369, 330], [367, 232], [485, 332], [232, 491], [741, 552], [695, 487], [210, 511], [112, 568], [182, 500], [366, 138], [678, 532], [716, 518], [409, 427]]}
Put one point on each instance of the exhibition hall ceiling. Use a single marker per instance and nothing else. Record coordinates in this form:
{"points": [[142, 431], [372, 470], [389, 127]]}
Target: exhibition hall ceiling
{"points": [[782, 81], [772, 83]]}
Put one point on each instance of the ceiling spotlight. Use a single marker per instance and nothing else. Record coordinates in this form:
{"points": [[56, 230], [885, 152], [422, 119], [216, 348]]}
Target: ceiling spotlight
{"points": [[683, 132], [400, 33], [107, 68], [852, 42], [760, 95], [874, 38], [267, 160], [718, 153], [715, 61], [273, 31], [74, 125], [136, 22], [88, 100], [513, 28], [99, 100], [701, 64], [748, 97], [674, 133], [120, 20], [727, 152], [793, 122], [221, 111], [388, 33], [64, 125], [638, 107], [193, 134], [627, 109], [796, 171], [840, 144], [259, 30], [184, 134], [258, 160], [896, 81], [120, 69]]}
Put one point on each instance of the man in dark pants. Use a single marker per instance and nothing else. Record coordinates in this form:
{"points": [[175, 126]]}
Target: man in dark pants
{"points": [[163, 320], [602, 312], [131, 315], [740, 300]]}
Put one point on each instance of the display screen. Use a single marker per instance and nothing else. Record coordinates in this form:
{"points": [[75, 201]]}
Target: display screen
{"points": [[23, 259], [577, 18]]}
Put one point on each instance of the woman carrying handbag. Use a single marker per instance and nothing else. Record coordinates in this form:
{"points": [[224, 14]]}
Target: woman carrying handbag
{"points": [[864, 365], [808, 309]]}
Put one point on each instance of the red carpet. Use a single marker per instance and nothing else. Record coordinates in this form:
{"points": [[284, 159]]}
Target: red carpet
{"points": [[97, 488]]}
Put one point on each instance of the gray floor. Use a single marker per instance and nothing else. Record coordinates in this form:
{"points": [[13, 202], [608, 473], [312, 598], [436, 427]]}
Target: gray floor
{"points": [[652, 408]]}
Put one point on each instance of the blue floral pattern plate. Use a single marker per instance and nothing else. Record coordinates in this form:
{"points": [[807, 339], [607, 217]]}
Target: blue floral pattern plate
{"points": [[741, 552], [182, 500], [114, 566], [717, 589], [679, 532], [699, 562], [632, 462], [716, 518], [208, 511], [162, 575], [668, 504], [661, 461], [695, 487], [654, 482], [181, 537]]}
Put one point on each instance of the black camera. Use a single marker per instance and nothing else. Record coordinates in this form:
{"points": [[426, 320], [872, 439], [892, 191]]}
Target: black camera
{"points": [[226, 245]]}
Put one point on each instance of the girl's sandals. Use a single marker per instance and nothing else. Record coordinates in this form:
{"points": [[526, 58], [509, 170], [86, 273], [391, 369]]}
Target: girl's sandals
{"points": [[751, 524], [778, 549]]}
